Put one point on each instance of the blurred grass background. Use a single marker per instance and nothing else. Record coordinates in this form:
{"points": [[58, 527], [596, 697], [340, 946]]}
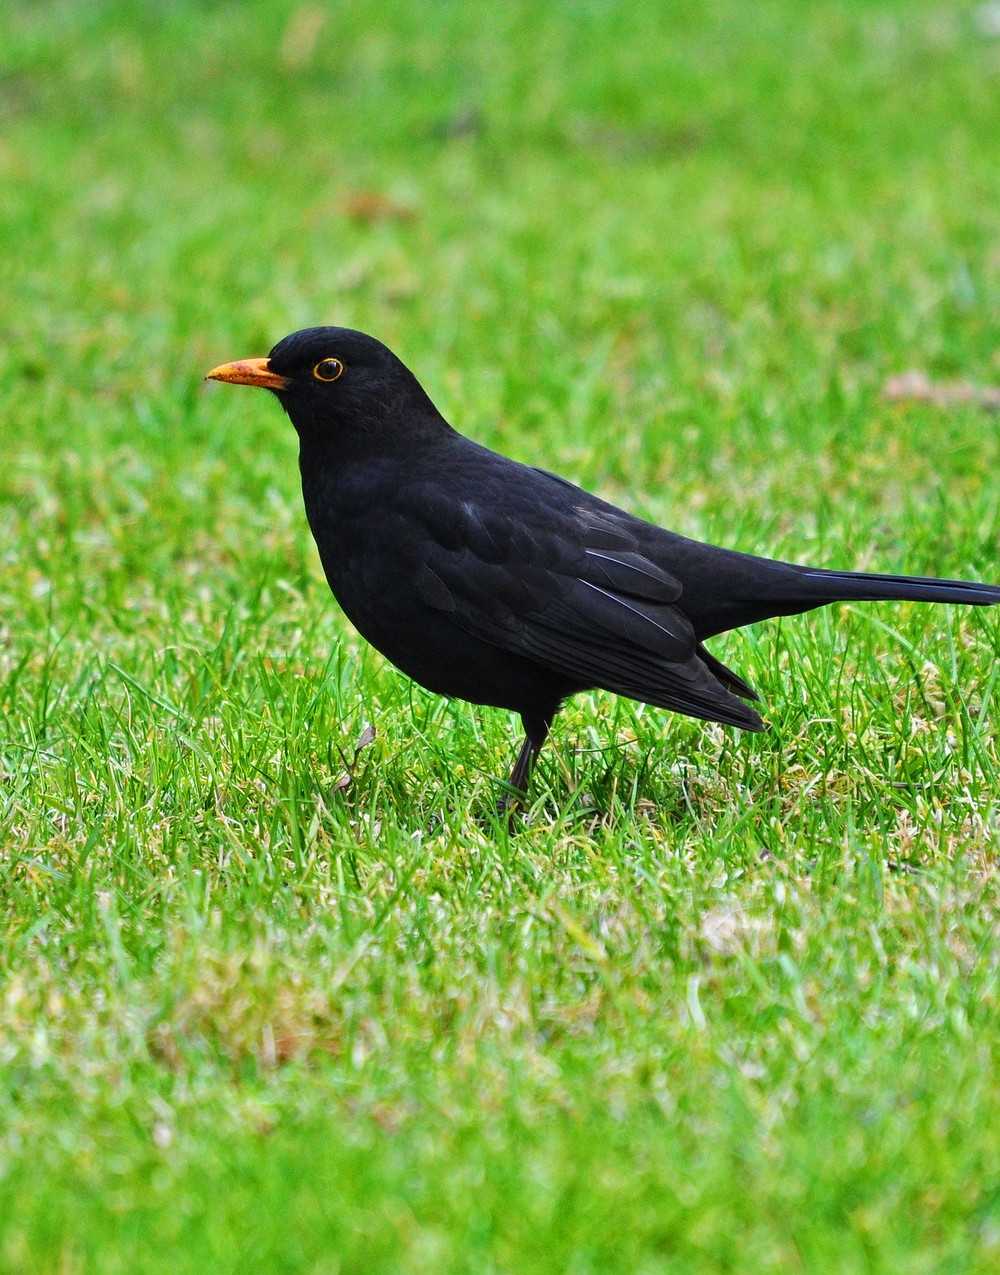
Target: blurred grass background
{"points": [[723, 1003]]}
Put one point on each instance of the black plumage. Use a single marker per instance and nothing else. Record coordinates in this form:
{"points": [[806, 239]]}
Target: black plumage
{"points": [[503, 584]]}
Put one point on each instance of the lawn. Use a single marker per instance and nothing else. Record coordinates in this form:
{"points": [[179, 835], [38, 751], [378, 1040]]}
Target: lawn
{"points": [[273, 1002]]}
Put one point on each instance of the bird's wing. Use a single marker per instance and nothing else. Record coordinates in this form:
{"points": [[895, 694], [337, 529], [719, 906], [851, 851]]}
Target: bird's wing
{"points": [[567, 586]]}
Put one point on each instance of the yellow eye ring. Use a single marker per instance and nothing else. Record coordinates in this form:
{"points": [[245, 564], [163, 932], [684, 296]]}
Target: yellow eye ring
{"points": [[328, 370]]}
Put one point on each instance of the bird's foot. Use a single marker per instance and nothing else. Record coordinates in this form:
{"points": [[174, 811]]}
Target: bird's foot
{"points": [[510, 807]]}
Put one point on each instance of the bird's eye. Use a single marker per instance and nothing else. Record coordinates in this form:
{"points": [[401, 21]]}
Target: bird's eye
{"points": [[328, 369]]}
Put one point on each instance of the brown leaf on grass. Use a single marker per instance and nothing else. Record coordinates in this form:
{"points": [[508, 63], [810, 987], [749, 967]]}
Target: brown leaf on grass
{"points": [[302, 31], [365, 740], [368, 206], [917, 387]]}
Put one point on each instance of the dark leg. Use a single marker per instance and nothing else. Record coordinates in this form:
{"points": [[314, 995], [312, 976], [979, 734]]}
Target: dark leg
{"points": [[536, 727], [521, 773]]}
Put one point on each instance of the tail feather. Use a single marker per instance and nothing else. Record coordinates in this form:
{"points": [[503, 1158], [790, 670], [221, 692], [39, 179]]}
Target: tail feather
{"points": [[730, 680], [846, 586], [725, 590]]}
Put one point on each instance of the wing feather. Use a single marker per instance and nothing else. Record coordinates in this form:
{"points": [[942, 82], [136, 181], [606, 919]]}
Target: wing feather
{"points": [[573, 592]]}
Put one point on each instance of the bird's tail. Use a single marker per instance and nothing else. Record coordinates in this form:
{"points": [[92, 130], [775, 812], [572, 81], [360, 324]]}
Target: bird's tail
{"points": [[847, 586], [745, 590]]}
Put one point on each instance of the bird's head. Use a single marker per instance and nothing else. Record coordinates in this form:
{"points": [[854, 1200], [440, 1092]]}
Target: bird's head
{"points": [[336, 382]]}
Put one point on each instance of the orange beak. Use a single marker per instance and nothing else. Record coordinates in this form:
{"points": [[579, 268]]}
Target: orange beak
{"points": [[248, 372]]}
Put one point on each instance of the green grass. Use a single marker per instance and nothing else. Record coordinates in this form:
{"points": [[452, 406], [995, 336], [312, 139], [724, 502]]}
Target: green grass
{"points": [[723, 1003]]}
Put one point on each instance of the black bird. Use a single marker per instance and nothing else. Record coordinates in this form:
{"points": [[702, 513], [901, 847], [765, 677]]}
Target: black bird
{"points": [[503, 584]]}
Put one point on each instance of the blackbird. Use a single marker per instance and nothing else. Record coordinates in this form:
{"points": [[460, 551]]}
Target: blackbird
{"points": [[504, 584]]}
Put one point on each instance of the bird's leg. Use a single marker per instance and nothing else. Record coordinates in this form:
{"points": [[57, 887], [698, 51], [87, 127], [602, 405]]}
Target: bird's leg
{"points": [[521, 773], [536, 728]]}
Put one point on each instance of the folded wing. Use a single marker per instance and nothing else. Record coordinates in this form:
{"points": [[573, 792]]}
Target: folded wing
{"points": [[572, 591]]}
